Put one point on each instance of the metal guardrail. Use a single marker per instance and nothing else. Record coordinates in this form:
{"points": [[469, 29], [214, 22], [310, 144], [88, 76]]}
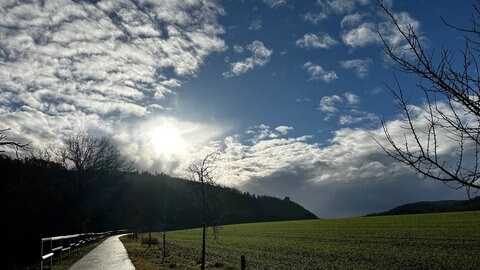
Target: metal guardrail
{"points": [[60, 245]]}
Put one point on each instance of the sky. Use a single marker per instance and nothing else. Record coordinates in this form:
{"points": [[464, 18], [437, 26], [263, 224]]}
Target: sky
{"points": [[291, 93]]}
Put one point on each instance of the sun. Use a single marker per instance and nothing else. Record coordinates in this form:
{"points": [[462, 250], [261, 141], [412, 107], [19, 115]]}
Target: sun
{"points": [[167, 140]]}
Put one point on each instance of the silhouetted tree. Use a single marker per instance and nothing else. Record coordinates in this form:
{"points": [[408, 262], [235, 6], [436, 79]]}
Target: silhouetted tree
{"points": [[4, 141], [203, 171], [451, 85], [92, 157]]}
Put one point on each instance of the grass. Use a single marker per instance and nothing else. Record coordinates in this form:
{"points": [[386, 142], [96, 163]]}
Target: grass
{"points": [[146, 258], [428, 241]]}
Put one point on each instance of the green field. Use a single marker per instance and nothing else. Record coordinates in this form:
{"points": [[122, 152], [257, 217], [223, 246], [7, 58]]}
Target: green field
{"points": [[430, 241]]}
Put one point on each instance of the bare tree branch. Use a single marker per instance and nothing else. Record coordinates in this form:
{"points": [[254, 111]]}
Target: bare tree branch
{"points": [[203, 171], [9, 143], [452, 93]]}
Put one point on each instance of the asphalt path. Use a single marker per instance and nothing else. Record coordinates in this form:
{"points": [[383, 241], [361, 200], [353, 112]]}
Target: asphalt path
{"points": [[111, 254]]}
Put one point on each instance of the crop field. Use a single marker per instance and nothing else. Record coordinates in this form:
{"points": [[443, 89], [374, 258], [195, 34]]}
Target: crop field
{"points": [[429, 241]]}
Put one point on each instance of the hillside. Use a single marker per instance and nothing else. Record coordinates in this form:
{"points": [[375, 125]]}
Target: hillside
{"points": [[41, 198], [433, 207]]}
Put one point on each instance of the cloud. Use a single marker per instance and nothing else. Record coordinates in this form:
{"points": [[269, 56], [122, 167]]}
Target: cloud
{"points": [[352, 19], [357, 116], [302, 100], [315, 18], [255, 25], [329, 103], [258, 154], [376, 90], [390, 33], [263, 131], [40, 129], [351, 98], [360, 66], [361, 36], [346, 104], [260, 57], [328, 7], [317, 41], [358, 34], [317, 72], [283, 130], [345, 6], [238, 49], [148, 143], [275, 3]]}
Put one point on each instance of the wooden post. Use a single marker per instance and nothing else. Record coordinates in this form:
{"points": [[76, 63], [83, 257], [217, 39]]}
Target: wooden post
{"points": [[243, 263], [204, 230], [164, 245]]}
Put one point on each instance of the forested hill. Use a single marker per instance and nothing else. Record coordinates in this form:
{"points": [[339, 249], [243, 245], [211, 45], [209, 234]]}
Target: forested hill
{"points": [[433, 207], [41, 198]]}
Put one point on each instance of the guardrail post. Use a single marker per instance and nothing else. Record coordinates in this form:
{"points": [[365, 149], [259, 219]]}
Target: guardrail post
{"points": [[51, 258], [61, 252], [41, 255]]}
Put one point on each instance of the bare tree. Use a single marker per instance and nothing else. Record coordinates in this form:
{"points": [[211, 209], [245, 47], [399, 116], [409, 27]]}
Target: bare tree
{"points": [[4, 141], [203, 171], [450, 83], [92, 157]]}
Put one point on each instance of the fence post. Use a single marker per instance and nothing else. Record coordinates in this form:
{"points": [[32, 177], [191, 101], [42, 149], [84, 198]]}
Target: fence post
{"points": [[243, 263], [164, 245]]}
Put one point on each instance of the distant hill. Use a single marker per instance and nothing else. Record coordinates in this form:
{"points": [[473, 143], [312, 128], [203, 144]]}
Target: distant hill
{"points": [[41, 198], [433, 207]]}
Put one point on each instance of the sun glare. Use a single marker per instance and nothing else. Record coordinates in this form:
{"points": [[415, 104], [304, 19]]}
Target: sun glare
{"points": [[167, 140]]}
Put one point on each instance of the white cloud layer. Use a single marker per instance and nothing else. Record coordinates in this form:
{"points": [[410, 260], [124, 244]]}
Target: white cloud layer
{"points": [[238, 49], [360, 66], [346, 105], [352, 19], [275, 3], [316, 41], [255, 25], [351, 98], [260, 57], [317, 72], [108, 58], [315, 18], [328, 7], [358, 33], [363, 35], [329, 103]]}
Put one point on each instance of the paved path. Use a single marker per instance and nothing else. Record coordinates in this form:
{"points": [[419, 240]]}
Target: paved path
{"points": [[109, 255]]}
